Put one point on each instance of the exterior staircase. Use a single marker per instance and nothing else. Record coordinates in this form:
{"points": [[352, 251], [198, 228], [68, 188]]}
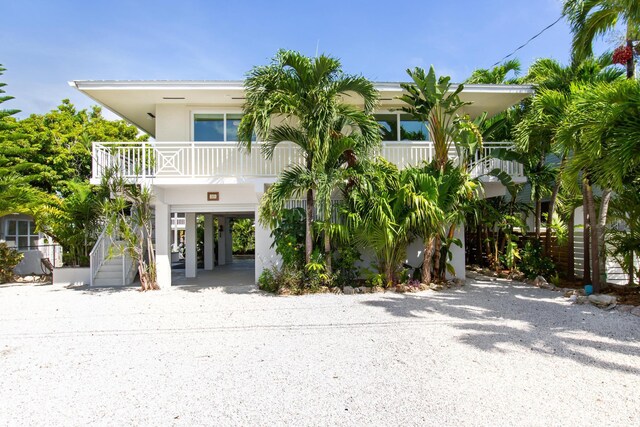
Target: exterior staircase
{"points": [[115, 270]]}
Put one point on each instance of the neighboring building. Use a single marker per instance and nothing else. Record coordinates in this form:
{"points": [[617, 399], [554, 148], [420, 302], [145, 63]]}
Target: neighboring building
{"points": [[19, 232], [194, 166]]}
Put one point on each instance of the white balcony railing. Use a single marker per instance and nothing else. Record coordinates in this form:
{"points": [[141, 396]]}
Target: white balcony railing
{"points": [[144, 160]]}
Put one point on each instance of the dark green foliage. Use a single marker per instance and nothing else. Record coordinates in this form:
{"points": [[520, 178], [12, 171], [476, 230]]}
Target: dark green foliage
{"points": [[289, 237], [534, 263], [276, 279], [345, 259], [243, 236], [9, 258]]}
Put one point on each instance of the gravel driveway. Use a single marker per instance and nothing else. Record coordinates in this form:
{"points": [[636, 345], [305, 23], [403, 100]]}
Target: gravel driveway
{"points": [[491, 353]]}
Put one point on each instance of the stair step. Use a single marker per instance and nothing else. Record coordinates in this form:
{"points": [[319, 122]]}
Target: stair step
{"points": [[106, 282], [109, 275], [111, 267]]}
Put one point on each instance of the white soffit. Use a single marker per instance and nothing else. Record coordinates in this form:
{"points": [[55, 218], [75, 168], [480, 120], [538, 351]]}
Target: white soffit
{"points": [[134, 100]]}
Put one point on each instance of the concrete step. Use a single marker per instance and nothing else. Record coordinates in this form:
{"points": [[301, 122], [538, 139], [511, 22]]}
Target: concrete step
{"points": [[111, 267], [116, 275], [106, 282]]}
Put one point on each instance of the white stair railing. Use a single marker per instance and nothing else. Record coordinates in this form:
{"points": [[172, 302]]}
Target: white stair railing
{"points": [[99, 254]]}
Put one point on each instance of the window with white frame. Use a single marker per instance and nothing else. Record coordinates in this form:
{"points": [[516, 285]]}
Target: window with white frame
{"points": [[216, 126], [21, 233], [401, 127]]}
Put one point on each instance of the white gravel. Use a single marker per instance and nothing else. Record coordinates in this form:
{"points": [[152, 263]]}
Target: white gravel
{"points": [[492, 353]]}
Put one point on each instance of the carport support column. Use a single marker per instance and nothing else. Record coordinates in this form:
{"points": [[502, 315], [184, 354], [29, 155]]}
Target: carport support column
{"points": [[191, 256], [208, 242], [228, 240], [222, 245], [163, 244]]}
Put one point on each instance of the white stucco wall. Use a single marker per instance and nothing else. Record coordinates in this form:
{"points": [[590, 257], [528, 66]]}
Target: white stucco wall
{"points": [[172, 123]]}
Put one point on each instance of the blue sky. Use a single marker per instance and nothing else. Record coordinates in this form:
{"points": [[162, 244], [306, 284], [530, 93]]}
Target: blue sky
{"points": [[47, 43]]}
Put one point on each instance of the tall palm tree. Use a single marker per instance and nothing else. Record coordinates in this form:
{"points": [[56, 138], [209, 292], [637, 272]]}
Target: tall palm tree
{"points": [[547, 110], [594, 18], [325, 179], [604, 122], [305, 94]]}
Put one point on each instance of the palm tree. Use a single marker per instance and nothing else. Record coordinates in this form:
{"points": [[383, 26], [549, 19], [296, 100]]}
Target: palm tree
{"points": [[306, 94], [325, 179], [594, 18], [547, 110], [604, 126], [435, 198], [379, 213], [433, 101], [497, 74]]}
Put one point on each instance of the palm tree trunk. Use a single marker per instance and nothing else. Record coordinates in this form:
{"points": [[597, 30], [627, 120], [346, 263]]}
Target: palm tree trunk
{"points": [[479, 245], [595, 258], [436, 256], [552, 208], [538, 218], [631, 66], [600, 230], [571, 250], [426, 263], [586, 230], [308, 244], [327, 247]]}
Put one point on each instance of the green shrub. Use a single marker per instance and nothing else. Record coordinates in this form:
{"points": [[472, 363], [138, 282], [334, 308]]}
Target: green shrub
{"points": [[9, 258], [289, 237], [534, 263], [344, 264], [267, 281], [276, 278]]}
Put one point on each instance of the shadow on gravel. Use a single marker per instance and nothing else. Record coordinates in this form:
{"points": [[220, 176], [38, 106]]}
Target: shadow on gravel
{"points": [[545, 324]]}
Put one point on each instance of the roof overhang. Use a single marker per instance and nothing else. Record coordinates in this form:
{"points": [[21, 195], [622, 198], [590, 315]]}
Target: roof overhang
{"points": [[135, 101]]}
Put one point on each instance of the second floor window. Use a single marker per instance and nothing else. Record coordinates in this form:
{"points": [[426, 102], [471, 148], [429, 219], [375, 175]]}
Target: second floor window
{"points": [[401, 127], [216, 127]]}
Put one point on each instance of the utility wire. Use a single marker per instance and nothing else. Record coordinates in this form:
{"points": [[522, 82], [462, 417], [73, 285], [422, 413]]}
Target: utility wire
{"points": [[530, 40]]}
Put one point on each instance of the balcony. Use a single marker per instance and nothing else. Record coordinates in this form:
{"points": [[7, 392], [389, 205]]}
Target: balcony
{"points": [[224, 162]]}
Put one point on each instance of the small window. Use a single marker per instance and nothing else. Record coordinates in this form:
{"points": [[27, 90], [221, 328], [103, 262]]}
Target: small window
{"points": [[388, 126], [22, 234], [412, 129], [233, 121], [208, 127]]}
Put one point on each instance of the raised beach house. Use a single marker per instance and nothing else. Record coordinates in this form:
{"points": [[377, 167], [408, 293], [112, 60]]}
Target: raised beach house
{"points": [[195, 167]]}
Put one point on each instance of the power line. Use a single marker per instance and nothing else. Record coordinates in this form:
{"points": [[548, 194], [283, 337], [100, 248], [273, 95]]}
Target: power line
{"points": [[530, 40]]}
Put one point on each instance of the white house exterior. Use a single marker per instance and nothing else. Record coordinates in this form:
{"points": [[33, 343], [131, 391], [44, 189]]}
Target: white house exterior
{"points": [[195, 167], [19, 231]]}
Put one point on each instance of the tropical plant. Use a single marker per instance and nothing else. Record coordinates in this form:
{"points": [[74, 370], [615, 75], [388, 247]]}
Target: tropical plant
{"points": [[497, 74], [591, 19], [128, 215], [434, 101], [379, 215], [307, 95], [75, 225], [9, 259], [243, 236]]}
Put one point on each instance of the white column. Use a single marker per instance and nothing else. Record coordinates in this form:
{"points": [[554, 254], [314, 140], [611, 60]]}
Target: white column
{"points": [[175, 230], [458, 260], [208, 242], [222, 245], [228, 241], [191, 256], [266, 256], [163, 244]]}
